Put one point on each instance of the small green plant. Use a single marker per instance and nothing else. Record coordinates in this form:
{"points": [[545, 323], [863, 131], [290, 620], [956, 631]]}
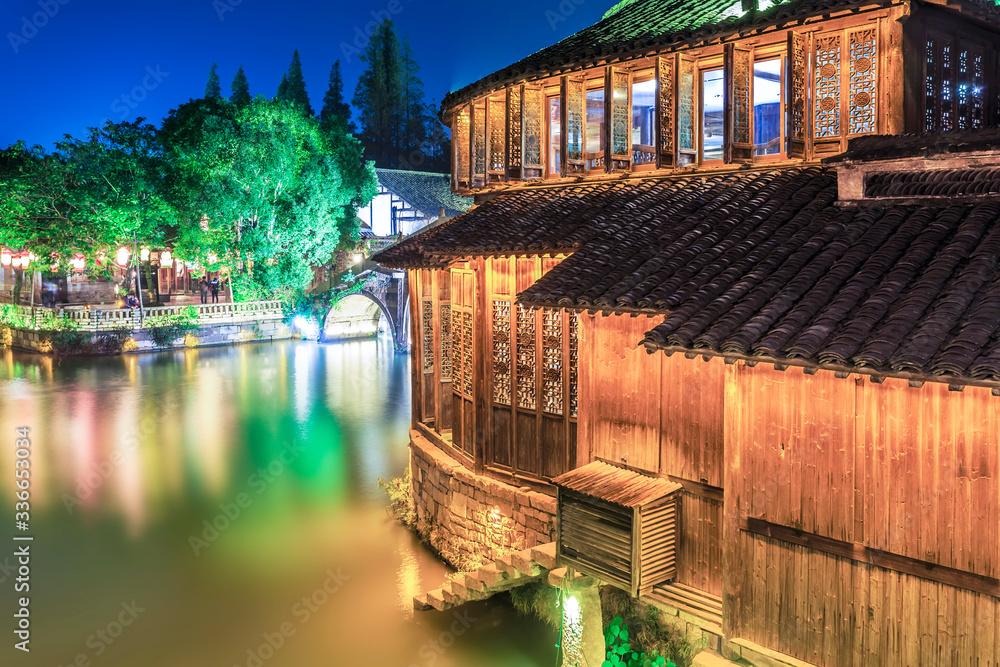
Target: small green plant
{"points": [[646, 633], [539, 600], [10, 318], [619, 651], [112, 341], [166, 329], [400, 493]]}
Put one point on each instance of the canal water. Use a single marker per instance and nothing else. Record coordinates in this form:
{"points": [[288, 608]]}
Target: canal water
{"points": [[219, 507]]}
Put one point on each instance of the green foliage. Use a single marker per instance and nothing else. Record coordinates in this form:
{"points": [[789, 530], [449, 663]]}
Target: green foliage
{"points": [[213, 89], [295, 89], [335, 108], [64, 335], [540, 600], [111, 341], [400, 493], [641, 628], [10, 318], [166, 329], [240, 88]]}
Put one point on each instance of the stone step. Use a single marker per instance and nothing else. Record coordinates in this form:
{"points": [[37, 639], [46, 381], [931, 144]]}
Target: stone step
{"points": [[467, 594], [420, 603], [491, 575], [545, 555], [505, 564], [449, 595], [557, 578], [474, 583], [436, 600], [524, 564]]}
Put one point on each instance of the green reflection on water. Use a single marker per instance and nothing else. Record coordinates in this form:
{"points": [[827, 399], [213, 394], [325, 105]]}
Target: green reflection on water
{"points": [[277, 448]]}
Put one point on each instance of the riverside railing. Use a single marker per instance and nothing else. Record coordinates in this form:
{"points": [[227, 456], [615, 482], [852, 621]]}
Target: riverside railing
{"points": [[95, 319]]}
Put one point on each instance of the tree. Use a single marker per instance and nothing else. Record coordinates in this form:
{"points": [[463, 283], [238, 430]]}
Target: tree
{"points": [[240, 89], [213, 89], [378, 96], [296, 90], [412, 109], [437, 145], [335, 108], [277, 192], [282, 88]]}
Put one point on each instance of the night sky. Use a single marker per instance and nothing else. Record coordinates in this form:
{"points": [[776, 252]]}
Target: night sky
{"points": [[71, 73]]}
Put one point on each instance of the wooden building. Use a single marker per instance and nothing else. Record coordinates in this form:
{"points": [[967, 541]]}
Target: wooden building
{"points": [[699, 253]]}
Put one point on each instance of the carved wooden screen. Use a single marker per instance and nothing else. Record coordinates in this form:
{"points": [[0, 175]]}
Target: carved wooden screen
{"points": [[461, 138], [574, 110], [533, 374], [427, 335], [827, 102], [665, 89], [863, 77], [515, 125], [533, 132], [845, 86], [619, 115], [496, 115], [443, 394], [687, 108], [955, 84], [479, 147], [738, 139], [462, 348], [797, 94]]}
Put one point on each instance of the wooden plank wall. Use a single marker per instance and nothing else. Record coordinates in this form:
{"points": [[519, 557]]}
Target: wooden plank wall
{"points": [[912, 471], [663, 415]]}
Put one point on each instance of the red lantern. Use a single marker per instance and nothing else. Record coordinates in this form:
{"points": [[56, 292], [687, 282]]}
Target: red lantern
{"points": [[6, 257], [78, 262], [25, 259]]}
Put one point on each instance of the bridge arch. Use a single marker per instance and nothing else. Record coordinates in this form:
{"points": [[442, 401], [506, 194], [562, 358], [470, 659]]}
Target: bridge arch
{"points": [[381, 301]]}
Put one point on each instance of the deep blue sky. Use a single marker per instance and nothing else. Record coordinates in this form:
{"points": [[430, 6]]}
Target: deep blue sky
{"points": [[68, 74]]}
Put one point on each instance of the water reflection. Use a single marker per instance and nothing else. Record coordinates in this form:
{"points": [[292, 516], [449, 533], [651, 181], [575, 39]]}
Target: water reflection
{"points": [[217, 488]]}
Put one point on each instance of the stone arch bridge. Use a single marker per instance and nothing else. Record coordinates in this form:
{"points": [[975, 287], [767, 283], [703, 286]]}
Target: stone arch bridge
{"points": [[381, 302]]}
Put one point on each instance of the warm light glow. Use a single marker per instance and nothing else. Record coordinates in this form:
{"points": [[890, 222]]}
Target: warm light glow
{"points": [[306, 328], [16, 261], [78, 262], [26, 260], [358, 258], [122, 256], [572, 639], [144, 254], [212, 258], [166, 259], [6, 257]]}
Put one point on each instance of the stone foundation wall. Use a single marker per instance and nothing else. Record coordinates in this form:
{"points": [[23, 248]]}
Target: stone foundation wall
{"points": [[475, 517], [207, 335]]}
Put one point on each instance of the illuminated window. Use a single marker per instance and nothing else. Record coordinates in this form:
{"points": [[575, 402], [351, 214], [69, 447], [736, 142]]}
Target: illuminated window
{"points": [[643, 121], [555, 134], [711, 114], [767, 114], [595, 129]]}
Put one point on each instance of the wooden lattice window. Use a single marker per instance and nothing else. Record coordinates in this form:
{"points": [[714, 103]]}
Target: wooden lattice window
{"points": [[457, 346], [501, 352], [798, 94], [863, 81], [575, 119], [479, 157], [739, 117], [621, 116], [497, 115], [552, 362], [574, 362], [665, 110], [467, 354], [446, 342], [955, 86], [826, 120], [525, 358], [534, 131], [460, 133], [514, 131], [427, 326], [687, 149]]}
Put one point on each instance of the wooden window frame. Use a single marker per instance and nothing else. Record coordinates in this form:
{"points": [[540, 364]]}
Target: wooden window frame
{"points": [[775, 52], [642, 76], [702, 66]]}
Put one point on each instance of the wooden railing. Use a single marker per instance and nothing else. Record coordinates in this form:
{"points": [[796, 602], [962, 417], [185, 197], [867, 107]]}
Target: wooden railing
{"points": [[94, 319]]}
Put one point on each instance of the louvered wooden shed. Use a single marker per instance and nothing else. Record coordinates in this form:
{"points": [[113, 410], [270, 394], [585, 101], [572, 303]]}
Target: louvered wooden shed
{"points": [[618, 525]]}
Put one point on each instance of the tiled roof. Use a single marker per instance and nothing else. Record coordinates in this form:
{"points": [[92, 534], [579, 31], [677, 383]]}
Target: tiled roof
{"points": [[764, 264], [427, 192], [934, 183], [931, 144]]}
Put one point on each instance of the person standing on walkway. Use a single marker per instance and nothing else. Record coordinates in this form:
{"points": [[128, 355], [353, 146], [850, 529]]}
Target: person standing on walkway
{"points": [[203, 285], [215, 290]]}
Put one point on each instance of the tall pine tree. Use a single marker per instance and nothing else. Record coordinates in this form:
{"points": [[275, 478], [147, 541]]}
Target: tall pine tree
{"points": [[378, 98], [335, 108], [240, 89], [412, 110], [296, 91], [213, 90], [282, 88]]}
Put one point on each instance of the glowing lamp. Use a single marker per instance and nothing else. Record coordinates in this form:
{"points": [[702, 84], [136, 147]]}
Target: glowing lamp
{"points": [[212, 258], [78, 262], [122, 257], [358, 258], [25, 260], [101, 256], [6, 257], [15, 261], [166, 259], [144, 254]]}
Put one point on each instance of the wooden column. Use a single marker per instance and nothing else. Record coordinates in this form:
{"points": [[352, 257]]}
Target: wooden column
{"points": [[481, 399], [416, 372], [732, 565]]}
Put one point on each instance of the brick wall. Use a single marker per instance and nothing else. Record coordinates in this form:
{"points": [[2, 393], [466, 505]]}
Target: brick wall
{"points": [[475, 516]]}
